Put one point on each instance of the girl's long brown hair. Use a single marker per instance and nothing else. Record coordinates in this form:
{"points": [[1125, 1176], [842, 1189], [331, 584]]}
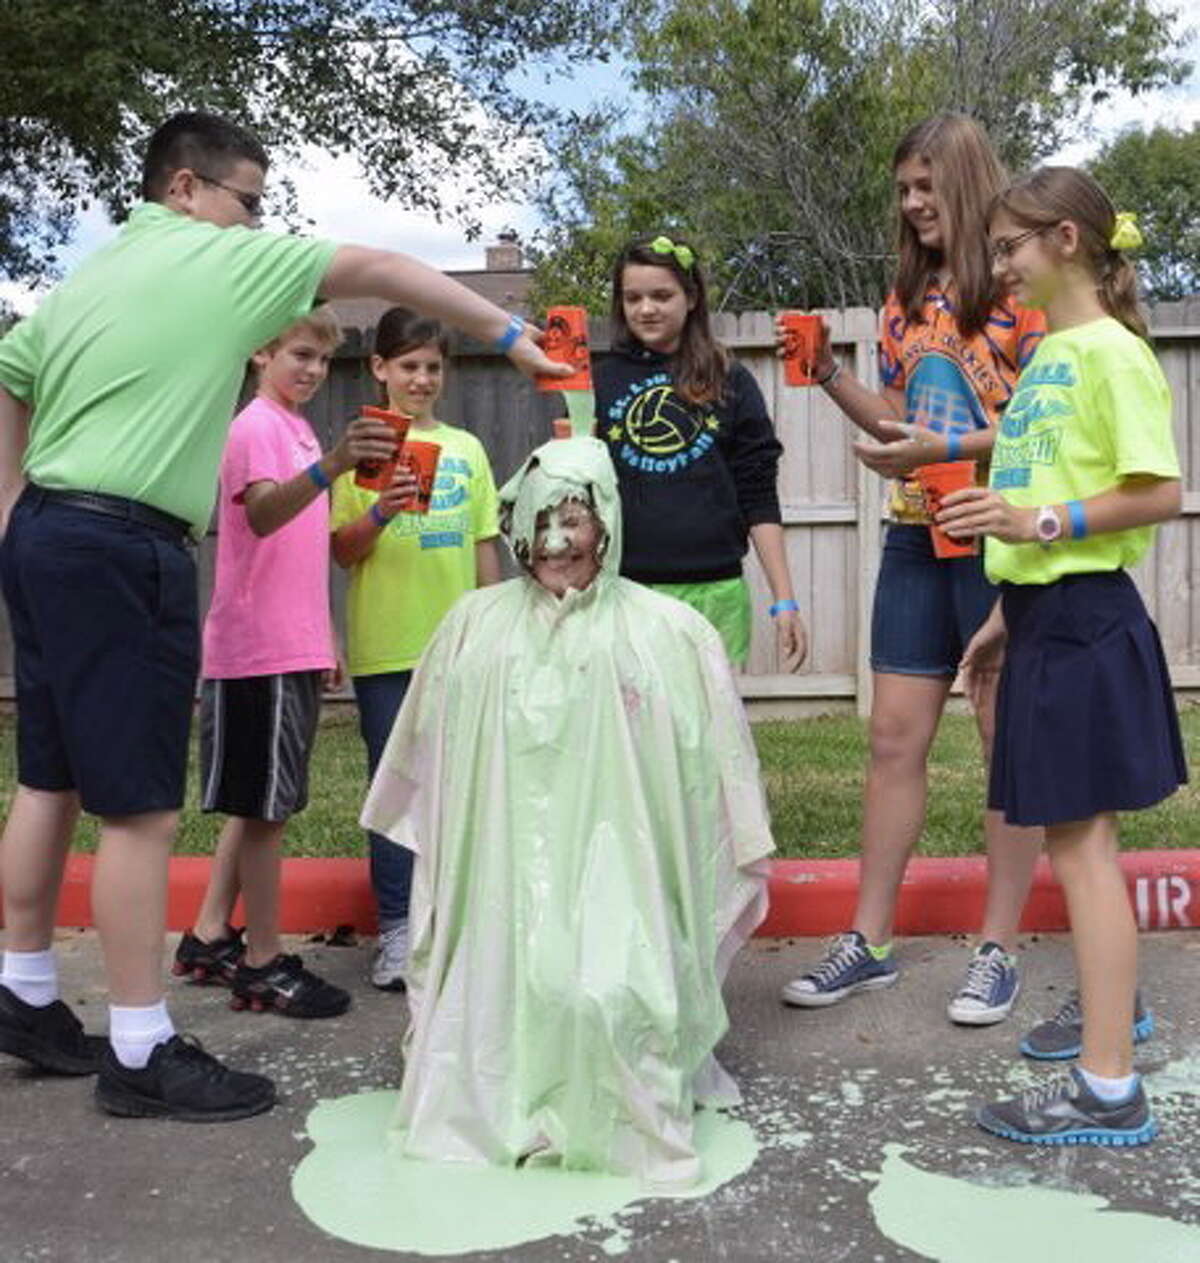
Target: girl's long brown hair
{"points": [[700, 366], [1049, 195], [966, 175]]}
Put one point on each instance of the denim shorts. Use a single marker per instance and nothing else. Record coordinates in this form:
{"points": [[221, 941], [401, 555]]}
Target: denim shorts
{"points": [[106, 647], [926, 608]]}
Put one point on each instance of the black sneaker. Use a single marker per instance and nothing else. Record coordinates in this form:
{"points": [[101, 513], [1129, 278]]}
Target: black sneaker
{"points": [[50, 1037], [283, 984], [184, 1082], [214, 962]]}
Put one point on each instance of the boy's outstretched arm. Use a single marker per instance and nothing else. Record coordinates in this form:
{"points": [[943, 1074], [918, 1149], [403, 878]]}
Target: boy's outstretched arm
{"points": [[14, 435], [358, 272]]}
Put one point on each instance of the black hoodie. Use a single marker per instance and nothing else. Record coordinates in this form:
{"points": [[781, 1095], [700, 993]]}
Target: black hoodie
{"points": [[693, 477]]}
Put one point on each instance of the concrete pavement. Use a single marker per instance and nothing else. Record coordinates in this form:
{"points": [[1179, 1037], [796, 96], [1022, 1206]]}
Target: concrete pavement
{"points": [[862, 1112]]}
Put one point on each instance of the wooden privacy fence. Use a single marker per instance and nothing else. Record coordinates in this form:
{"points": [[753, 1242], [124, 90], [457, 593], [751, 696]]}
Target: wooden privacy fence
{"points": [[832, 506]]}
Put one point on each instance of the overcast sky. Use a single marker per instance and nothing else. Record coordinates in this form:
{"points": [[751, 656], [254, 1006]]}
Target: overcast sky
{"points": [[335, 197]]}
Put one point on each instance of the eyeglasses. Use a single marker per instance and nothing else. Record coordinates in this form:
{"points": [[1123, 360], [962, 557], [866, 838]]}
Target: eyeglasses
{"points": [[251, 202], [1003, 247]]}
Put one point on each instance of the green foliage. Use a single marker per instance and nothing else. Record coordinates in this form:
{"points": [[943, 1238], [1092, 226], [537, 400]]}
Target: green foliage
{"points": [[401, 84], [768, 127], [1157, 175]]}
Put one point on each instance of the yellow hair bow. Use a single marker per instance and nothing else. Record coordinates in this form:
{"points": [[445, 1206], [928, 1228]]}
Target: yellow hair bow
{"points": [[683, 254], [1126, 235]]}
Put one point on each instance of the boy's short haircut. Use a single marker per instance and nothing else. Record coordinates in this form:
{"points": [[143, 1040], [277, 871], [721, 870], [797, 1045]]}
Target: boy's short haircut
{"points": [[321, 323], [204, 143]]}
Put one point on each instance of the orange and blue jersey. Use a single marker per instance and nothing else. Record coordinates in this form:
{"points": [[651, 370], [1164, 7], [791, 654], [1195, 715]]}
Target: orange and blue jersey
{"points": [[951, 383]]}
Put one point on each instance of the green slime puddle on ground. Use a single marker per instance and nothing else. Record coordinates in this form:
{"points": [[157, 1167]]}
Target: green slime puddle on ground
{"points": [[956, 1221], [354, 1187]]}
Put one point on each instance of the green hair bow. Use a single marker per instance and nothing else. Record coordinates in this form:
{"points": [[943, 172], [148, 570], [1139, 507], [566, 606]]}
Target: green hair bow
{"points": [[684, 255], [1126, 235]]}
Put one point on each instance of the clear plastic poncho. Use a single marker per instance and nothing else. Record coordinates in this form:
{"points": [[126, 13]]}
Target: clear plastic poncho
{"points": [[577, 779]]}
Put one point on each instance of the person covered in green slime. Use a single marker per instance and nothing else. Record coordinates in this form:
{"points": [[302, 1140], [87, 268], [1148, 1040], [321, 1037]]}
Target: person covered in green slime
{"points": [[574, 771]]}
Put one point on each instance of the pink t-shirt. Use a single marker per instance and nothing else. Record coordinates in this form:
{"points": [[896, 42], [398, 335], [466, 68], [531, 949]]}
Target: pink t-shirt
{"points": [[270, 605]]}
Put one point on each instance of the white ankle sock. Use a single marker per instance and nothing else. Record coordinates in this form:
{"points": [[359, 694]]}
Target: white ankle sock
{"points": [[31, 976], [135, 1032], [1109, 1089]]}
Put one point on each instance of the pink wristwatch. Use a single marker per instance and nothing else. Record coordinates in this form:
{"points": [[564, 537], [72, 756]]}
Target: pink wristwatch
{"points": [[1047, 527]]}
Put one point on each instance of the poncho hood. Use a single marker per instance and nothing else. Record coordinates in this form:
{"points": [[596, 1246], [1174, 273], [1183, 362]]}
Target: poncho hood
{"points": [[563, 469]]}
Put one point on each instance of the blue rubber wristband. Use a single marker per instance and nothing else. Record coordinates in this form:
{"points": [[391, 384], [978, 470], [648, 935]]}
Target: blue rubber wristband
{"points": [[516, 327], [781, 607], [953, 445], [378, 516], [1079, 526], [318, 475]]}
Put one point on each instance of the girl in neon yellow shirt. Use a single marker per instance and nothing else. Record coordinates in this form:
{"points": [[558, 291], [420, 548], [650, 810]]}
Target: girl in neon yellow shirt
{"points": [[1083, 468], [406, 570]]}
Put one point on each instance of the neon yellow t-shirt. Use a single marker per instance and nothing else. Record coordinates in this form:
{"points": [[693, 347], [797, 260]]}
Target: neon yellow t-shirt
{"points": [[421, 563], [1092, 408]]}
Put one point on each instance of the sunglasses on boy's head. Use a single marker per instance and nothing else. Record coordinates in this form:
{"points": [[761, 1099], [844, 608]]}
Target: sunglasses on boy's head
{"points": [[252, 203]]}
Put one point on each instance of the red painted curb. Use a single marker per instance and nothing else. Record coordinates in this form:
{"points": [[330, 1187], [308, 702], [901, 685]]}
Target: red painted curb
{"points": [[808, 897]]}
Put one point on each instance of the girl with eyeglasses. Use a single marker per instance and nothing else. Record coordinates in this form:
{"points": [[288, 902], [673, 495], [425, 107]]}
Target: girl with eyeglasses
{"points": [[694, 449], [952, 343], [1083, 468]]}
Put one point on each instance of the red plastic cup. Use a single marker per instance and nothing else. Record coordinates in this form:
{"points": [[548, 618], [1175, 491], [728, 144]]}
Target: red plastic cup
{"points": [[802, 341], [421, 458], [937, 482], [565, 341], [375, 475]]}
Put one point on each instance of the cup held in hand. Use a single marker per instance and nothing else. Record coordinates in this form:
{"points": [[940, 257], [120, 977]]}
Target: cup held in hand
{"points": [[421, 458], [375, 475], [937, 482], [802, 341], [565, 341]]}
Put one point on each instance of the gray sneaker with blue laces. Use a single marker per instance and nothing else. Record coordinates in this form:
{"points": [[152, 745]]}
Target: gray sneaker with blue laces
{"points": [[989, 988], [847, 966], [1061, 1037], [1065, 1111]]}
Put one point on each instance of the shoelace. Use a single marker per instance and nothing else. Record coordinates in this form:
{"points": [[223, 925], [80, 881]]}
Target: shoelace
{"points": [[189, 1048], [1070, 1013], [843, 951], [1060, 1086], [393, 945], [981, 973]]}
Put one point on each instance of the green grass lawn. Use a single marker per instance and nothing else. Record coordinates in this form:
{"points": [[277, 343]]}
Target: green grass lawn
{"points": [[813, 773]]}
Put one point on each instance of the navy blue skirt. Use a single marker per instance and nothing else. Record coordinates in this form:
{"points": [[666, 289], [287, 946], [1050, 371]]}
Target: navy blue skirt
{"points": [[1085, 716]]}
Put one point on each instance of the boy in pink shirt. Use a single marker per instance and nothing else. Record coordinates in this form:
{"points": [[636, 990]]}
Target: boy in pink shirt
{"points": [[268, 652]]}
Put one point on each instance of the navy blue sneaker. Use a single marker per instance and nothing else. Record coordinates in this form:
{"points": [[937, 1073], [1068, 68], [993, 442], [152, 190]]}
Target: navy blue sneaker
{"points": [[1066, 1111], [989, 988], [846, 967], [1061, 1037]]}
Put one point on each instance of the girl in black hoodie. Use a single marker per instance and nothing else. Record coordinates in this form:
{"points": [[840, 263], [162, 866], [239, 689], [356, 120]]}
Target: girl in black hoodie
{"points": [[694, 449]]}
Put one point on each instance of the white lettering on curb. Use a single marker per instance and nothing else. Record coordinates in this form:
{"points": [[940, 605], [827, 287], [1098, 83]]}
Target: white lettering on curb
{"points": [[1169, 907]]}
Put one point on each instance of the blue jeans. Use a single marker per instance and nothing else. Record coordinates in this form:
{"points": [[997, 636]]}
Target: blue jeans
{"points": [[926, 608], [379, 700]]}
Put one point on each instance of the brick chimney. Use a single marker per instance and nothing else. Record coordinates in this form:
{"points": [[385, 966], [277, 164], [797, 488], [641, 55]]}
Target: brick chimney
{"points": [[505, 255]]}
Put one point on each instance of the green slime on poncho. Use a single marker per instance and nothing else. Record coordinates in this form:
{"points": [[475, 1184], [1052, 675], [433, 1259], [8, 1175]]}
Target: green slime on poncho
{"points": [[577, 779]]}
